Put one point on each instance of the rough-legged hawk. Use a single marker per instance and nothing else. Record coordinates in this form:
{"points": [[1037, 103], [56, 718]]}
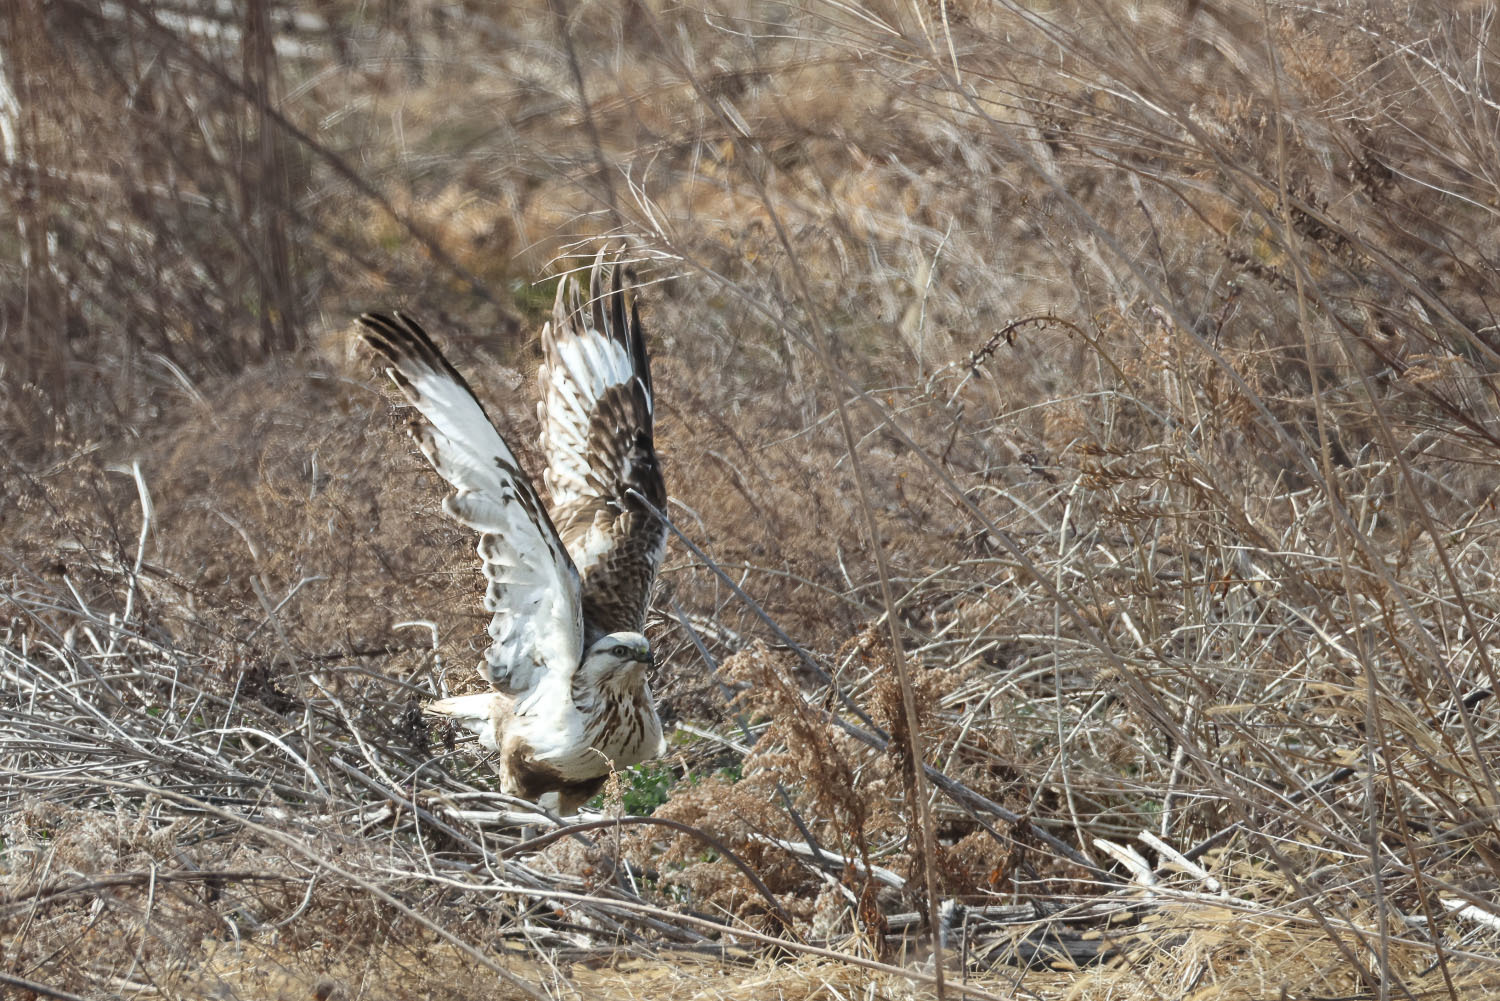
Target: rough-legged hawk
{"points": [[568, 591]]}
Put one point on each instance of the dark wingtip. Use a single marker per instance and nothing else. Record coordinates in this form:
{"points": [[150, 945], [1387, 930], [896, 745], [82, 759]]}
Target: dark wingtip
{"points": [[400, 338], [406, 346], [381, 334]]}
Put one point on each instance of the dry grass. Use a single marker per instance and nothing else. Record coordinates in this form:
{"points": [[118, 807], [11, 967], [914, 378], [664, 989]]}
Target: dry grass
{"points": [[1161, 338]]}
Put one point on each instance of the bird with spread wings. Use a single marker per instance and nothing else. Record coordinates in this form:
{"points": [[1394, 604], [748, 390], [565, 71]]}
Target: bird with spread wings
{"points": [[568, 590]]}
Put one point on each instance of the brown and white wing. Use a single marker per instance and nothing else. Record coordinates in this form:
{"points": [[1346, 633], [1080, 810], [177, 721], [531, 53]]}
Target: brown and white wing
{"points": [[596, 415], [534, 590]]}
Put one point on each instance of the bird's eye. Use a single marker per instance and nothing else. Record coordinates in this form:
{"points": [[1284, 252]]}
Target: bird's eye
{"points": [[621, 651]]}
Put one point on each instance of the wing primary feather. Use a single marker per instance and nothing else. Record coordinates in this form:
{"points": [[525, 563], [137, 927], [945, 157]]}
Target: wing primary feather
{"points": [[596, 297], [638, 351], [403, 337]]}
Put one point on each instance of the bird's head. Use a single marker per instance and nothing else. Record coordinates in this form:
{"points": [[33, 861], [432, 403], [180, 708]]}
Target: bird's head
{"points": [[618, 659]]}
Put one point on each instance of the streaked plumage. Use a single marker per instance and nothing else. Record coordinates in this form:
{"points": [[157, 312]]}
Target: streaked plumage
{"points": [[569, 591], [596, 416]]}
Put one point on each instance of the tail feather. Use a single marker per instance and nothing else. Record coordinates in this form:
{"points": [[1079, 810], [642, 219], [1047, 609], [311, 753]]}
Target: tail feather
{"points": [[462, 707], [480, 714]]}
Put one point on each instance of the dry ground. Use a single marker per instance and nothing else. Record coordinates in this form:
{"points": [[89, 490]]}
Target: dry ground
{"points": [[1122, 375]]}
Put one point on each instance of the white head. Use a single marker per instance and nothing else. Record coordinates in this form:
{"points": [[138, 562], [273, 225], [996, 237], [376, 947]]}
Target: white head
{"points": [[618, 660]]}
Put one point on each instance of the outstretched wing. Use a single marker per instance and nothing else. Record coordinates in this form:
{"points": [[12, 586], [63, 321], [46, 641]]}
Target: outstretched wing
{"points": [[596, 415], [534, 590]]}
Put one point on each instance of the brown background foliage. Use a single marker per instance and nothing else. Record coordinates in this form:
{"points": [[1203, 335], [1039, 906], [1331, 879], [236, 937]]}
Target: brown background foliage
{"points": [[1166, 338]]}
